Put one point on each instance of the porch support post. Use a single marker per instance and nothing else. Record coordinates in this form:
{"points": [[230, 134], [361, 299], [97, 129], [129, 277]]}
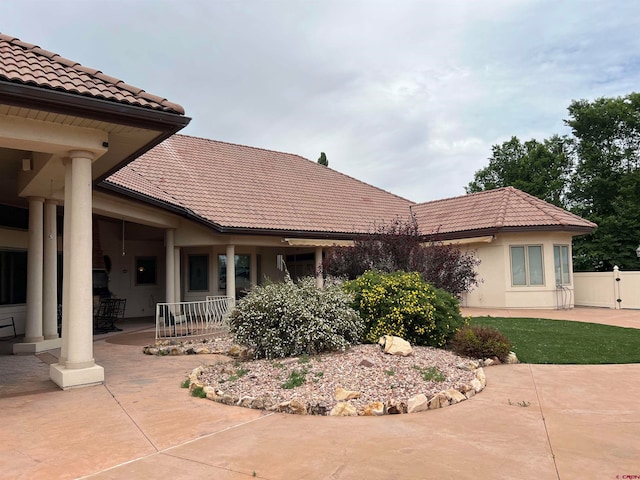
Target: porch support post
{"points": [[33, 328], [80, 368], [318, 268], [66, 255], [170, 288], [231, 272], [50, 286], [176, 273]]}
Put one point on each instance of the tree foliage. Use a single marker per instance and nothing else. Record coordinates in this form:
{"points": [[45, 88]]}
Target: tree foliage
{"points": [[594, 173], [399, 246], [606, 185], [323, 159], [541, 169]]}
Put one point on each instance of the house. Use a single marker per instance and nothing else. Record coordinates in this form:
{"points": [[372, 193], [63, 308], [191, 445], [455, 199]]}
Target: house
{"points": [[63, 128], [523, 243], [99, 192]]}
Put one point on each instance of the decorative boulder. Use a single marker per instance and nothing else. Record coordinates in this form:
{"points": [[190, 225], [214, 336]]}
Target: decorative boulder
{"points": [[512, 358], [418, 403], [342, 394], [395, 345], [374, 409], [343, 409]]}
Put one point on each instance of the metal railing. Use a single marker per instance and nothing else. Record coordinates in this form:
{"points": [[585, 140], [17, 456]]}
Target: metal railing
{"points": [[193, 319]]}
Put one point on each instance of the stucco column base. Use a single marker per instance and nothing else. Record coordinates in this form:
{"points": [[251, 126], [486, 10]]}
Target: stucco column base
{"points": [[67, 378], [36, 347]]}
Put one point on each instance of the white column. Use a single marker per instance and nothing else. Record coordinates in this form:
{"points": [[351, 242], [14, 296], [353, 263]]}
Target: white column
{"points": [[231, 271], [318, 269], [177, 276], [170, 277], [50, 286], [66, 255], [35, 339], [33, 327], [79, 368]]}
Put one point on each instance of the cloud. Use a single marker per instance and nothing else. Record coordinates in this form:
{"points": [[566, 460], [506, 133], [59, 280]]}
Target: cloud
{"points": [[408, 96]]}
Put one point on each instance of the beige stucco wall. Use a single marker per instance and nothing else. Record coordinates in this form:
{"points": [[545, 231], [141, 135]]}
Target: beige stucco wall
{"points": [[496, 290]]}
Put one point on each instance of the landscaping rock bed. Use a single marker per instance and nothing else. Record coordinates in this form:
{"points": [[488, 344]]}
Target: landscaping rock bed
{"points": [[362, 380]]}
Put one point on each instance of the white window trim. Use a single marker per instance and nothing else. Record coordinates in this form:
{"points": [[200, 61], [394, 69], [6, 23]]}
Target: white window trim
{"points": [[527, 275], [569, 271]]}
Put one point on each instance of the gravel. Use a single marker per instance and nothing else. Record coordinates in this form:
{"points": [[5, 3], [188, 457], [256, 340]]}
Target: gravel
{"points": [[362, 368]]}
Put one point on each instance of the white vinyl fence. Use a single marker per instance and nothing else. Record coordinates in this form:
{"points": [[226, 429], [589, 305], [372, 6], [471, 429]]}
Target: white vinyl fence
{"points": [[616, 289], [193, 319]]}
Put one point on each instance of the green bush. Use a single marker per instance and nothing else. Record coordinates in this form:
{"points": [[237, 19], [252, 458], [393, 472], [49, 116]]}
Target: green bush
{"points": [[290, 319], [403, 304], [481, 342]]}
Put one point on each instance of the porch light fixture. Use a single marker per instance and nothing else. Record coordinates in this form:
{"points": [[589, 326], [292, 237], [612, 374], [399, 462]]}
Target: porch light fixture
{"points": [[638, 251]]}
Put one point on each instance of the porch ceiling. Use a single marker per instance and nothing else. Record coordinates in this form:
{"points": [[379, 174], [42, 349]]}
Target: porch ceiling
{"points": [[124, 142]]}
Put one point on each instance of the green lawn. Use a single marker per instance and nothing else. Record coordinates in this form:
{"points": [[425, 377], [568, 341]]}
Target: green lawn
{"points": [[538, 340]]}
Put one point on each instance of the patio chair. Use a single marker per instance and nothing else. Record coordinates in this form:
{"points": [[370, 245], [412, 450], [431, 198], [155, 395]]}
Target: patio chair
{"points": [[8, 322], [108, 312]]}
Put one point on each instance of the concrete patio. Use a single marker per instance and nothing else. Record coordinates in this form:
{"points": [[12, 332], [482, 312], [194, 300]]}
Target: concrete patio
{"points": [[581, 422]]}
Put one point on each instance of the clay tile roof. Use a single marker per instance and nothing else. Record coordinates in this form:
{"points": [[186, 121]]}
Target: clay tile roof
{"points": [[502, 208], [28, 64], [236, 186]]}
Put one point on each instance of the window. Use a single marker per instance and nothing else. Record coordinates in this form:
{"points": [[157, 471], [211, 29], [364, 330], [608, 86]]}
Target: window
{"points": [[301, 265], [13, 277], [526, 265], [199, 273], [561, 264], [146, 270], [243, 272]]}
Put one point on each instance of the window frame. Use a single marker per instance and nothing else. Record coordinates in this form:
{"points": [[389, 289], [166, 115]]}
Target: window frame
{"points": [[527, 265], [153, 266], [12, 290], [562, 247], [191, 279], [222, 270]]}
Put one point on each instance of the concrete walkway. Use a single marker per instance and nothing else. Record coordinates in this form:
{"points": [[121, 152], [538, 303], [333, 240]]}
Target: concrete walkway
{"points": [[578, 422]]}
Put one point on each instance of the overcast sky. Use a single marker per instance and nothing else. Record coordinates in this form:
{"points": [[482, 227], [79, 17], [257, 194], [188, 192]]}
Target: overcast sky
{"points": [[406, 95]]}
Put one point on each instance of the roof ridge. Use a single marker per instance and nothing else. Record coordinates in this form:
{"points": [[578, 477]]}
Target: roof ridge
{"points": [[92, 72], [542, 205], [466, 195], [298, 156], [504, 202]]}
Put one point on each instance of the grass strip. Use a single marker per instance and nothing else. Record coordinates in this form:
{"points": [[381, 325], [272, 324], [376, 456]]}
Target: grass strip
{"points": [[543, 341]]}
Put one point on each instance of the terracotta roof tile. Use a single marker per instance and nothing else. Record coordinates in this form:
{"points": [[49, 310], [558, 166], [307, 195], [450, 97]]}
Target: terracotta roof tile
{"points": [[505, 207], [25, 63], [245, 187]]}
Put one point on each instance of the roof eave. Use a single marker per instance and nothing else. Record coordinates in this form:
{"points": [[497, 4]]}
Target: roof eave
{"points": [[31, 97], [480, 232], [38, 98]]}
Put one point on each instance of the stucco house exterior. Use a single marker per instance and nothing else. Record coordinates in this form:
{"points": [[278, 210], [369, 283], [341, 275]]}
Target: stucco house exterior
{"points": [[97, 188], [523, 243]]}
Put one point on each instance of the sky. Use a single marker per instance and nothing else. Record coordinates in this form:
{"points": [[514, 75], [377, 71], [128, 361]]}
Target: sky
{"points": [[406, 95]]}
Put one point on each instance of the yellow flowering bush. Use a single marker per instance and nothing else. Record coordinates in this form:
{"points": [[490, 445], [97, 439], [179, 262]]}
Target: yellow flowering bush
{"points": [[403, 304]]}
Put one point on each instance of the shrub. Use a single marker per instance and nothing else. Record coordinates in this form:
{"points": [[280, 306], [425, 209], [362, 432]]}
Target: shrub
{"points": [[290, 319], [481, 342], [400, 246], [403, 304]]}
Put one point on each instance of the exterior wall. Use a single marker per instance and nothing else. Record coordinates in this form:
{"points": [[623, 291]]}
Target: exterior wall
{"points": [[601, 289], [267, 267], [496, 289], [141, 299], [13, 239]]}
